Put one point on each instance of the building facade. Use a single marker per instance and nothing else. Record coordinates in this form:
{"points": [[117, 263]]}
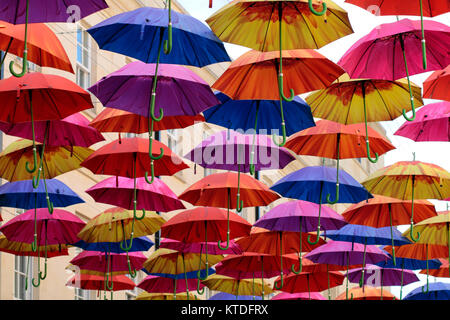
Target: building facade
{"points": [[91, 64]]}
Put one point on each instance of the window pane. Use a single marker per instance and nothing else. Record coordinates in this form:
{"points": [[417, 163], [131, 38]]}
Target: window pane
{"points": [[86, 58], [79, 54]]}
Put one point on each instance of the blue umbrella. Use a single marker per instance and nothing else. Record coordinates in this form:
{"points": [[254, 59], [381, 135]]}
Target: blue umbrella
{"points": [[140, 34], [436, 291], [314, 183], [138, 244], [368, 236], [189, 275], [22, 194], [229, 296]]}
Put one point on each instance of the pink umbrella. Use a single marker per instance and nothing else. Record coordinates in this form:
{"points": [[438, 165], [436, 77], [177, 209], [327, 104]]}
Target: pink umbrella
{"points": [[119, 191], [432, 123], [155, 284], [299, 296], [98, 261], [390, 52], [199, 247], [40, 228], [71, 131]]}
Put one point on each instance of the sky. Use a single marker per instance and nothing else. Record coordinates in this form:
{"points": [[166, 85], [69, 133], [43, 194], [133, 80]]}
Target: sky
{"points": [[362, 22]]}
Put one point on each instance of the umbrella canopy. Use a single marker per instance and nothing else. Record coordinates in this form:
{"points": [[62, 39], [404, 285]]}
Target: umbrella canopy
{"points": [[380, 276], [55, 160], [436, 291], [25, 249], [71, 131], [367, 293], [119, 192], [199, 247], [259, 115], [96, 282], [441, 271], [312, 282], [137, 31], [229, 296], [428, 8], [44, 47], [242, 79], [115, 120], [436, 85], [180, 91], [238, 287], [368, 235], [299, 296], [138, 244], [22, 194], [114, 225], [432, 123], [165, 296], [156, 284]]}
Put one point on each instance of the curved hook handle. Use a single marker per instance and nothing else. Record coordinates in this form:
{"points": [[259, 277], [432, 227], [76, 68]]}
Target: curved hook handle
{"points": [[228, 242], [168, 43], [24, 66], [368, 153], [47, 197], [281, 282], [131, 271], [317, 238], [38, 283], [42, 277], [240, 204], [317, 13], [152, 109], [274, 137], [280, 89], [108, 285], [413, 109], [199, 276], [125, 247], [252, 169], [402, 44], [34, 245], [35, 165], [37, 178], [300, 268], [337, 196], [411, 233], [198, 288]]}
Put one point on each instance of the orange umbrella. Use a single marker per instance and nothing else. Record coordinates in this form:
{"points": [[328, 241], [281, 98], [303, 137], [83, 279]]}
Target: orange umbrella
{"points": [[218, 189], [367, 293], [442, 272], [115, 120], [44, 47], [337, 141], [254, 75], [437, 84]]}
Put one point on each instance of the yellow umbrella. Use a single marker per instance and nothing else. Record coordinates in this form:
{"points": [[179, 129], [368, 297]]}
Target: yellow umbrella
{"points": [[409, 180], [238, 287], [350, 101], [165, 296]]}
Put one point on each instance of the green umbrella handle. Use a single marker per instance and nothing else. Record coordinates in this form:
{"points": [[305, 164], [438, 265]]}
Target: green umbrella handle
{"points": [[401, 281], [337, 174], [206, 254], [43, 276], [198, 288], [47, 197], [35, 180], [424, 46], [428, 290], [328, 280], [278, 287], [155, 81], [299, 253], [240, 203], [411, 230], [280, 68], [25, 50], [262, 278], [109, 286], [38, 283], [35, 165], [228, 226], [34, 244], [168, 43], [131, 271], [123, 246], [363, 88], [26, 274], [409, 85], [361, 280], [252, 153], [317, 13], [318, 222]]}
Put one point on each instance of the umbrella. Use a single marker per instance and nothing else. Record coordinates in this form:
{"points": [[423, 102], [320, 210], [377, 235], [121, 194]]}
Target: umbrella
{"points": [[428, 8], [368, 236], [165, 296], [336, 141], [198, 247], [40, 97], [299, 216], [40, 228], [229, 296], [139, 244], [299, 296], [441, 271], [432, 123], [238, 287], [236, 152], [216, 190], [242, 79], [314, 183], [368, 293], [259, 114], [397, 42], [353, 101], [266, 34], [73, 130], [160, 285], [436, 291], [346, 253], [96, 282], [181, 92], [436, 85], [23, 195], [44, 49], [409, 180], [24, 12], [115, 120]]}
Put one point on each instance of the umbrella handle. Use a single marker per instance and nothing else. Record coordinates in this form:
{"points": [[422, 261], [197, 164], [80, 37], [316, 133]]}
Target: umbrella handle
{"points": [[280, 88], [47, 197], [300, 268], [318, 223], [239, 202], [41, 164], [168, 43], [42, 277], [199, 276], [274, 137], [25, 50], [27, 167], [34, 139], [132, 271], [281, 265], [411, 230], [38, 283], [424, 46], [363, 89], [317, 13], [228, 226], [337, 196], [228, 242], [337, 173], [198, 288], [299, 251], [368, 153], [409, 85]]}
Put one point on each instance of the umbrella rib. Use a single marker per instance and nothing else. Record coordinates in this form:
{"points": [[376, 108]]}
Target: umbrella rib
{"points": [[268, 24], [350, 104], [296, 8], [382, 99]]}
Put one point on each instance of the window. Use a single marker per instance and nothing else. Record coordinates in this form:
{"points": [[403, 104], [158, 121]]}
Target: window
{"points": [[83, 58], [23, 273], [172, 139], [80, 294]]}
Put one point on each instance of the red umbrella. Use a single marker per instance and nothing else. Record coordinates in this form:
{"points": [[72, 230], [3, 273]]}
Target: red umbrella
{"points": [[436, 86], [96, 282], [155, 284]]}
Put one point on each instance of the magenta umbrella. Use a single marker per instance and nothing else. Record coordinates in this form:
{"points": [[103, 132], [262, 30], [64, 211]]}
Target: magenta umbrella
{"points": [[391, 50], [156, 284], [432, 123], [300, 216], [299, 296], [199, 247], [40, 228], [71, 131], [343, 253], [119, 191]]}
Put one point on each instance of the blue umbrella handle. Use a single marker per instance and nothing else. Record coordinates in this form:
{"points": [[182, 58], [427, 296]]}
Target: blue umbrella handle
{"points": [[317, 13], [25, 50], [168, 43]]}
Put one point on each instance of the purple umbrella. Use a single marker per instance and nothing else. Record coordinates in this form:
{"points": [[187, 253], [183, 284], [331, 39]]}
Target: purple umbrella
{"points": [[180, 92], [231, 150], [199, 247], [344, 253], [300, 216], [37, 11]]}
